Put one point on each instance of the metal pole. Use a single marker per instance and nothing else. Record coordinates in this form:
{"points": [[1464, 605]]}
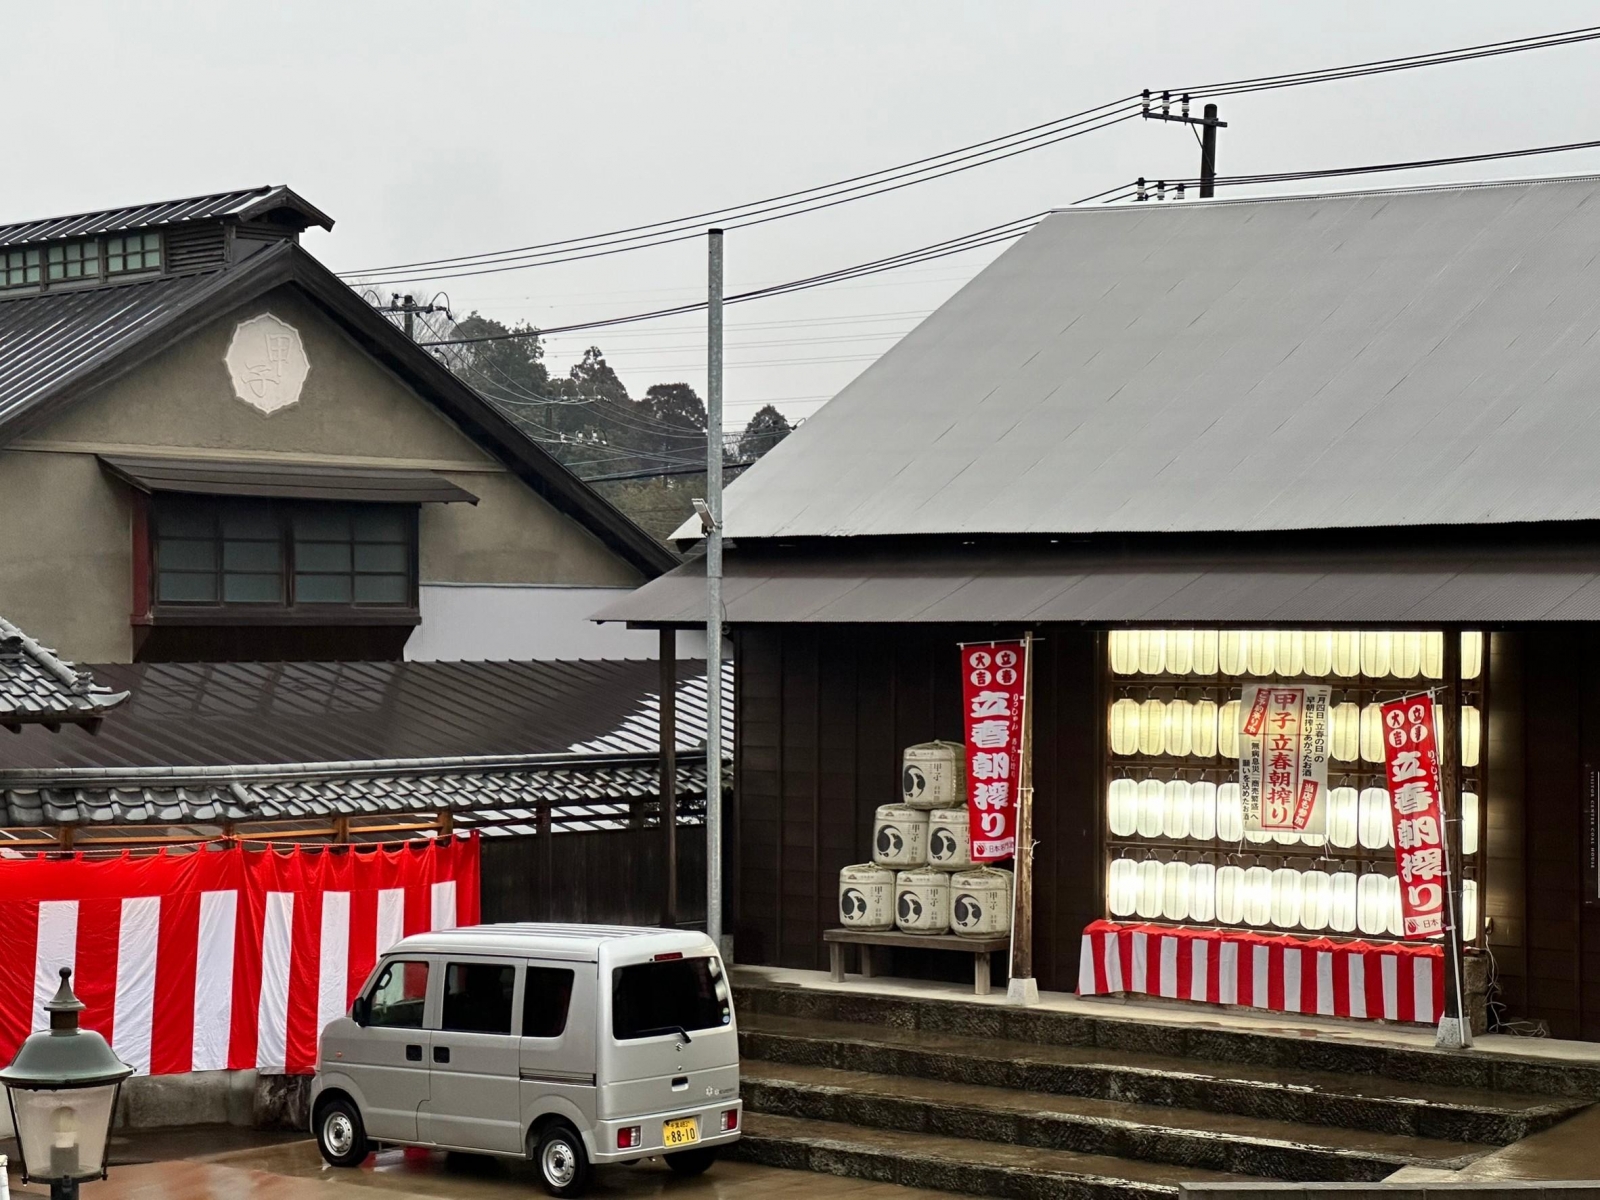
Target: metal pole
{"points": [[1208, 152], [1455, 1028], [669, 772], [714, 595], [1023, 988]]}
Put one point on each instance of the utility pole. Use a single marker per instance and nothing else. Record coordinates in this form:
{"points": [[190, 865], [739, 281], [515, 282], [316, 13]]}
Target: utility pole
{"points": [[1208, 122], [712, 521], [407, 308]]}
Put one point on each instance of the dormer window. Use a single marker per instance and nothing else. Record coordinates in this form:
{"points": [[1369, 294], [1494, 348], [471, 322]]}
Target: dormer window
{"points": [[133, 252], [74, 260], [20, 268]]}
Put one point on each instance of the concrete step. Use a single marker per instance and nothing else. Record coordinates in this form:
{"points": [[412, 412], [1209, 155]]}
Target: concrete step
{"points": [[955, 1164], [1366, 1102], [1181, 1137]]}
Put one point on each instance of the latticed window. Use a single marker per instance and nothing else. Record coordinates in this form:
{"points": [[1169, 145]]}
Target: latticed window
{"points": [[74, 260], [133, 252], [19, 268]]}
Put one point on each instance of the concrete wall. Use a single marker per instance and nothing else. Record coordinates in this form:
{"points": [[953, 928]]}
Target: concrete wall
{"points": [[65, 529], [476, 622]]}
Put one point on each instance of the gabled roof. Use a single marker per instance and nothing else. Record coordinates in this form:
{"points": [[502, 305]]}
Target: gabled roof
{"points": [[56, 347], [39, 688], [270, 202], [1393, 358]]}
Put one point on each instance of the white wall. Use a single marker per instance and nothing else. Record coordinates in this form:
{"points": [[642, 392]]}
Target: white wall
{"points": [[521, 622]]}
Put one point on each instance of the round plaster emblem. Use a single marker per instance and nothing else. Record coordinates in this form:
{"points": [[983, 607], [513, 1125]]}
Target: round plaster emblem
{"points": [[267, 362]]}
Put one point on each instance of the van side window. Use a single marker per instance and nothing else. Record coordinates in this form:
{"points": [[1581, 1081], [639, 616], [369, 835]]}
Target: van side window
{"points": [[545, 995], [477, 997], [399, 995]]}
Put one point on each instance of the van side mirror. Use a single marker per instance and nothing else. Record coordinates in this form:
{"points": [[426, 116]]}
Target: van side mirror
{"points": [[361, 1011]]}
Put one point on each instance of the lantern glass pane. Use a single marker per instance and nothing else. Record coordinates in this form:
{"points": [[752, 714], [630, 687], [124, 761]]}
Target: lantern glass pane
{"points": [[63, 1132]]}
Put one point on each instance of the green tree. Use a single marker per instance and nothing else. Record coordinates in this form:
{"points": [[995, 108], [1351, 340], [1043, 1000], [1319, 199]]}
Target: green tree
{"points": [[764, 431]]}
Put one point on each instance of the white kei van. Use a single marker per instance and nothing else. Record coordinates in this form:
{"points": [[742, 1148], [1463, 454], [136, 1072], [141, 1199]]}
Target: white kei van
{"points": [[569, 1045]]}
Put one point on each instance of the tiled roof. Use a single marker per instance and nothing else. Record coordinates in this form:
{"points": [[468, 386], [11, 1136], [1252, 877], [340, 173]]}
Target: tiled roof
{"points": [[39, 688], [243, 204]]}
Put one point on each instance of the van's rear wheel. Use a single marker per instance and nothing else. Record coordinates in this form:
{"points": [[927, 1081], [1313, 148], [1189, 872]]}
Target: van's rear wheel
{"points": [[562, 1161], [693, 1162], [341, 1136]]}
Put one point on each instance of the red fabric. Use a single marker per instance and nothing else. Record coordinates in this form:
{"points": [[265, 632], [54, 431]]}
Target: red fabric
{"points": [[171, 993], [1346, 979]]}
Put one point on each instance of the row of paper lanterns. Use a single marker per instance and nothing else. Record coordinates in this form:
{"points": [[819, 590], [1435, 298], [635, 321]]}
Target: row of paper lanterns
{"points": [[1203, 728], [1314, 901], [1180, 809], [1285, 653]]}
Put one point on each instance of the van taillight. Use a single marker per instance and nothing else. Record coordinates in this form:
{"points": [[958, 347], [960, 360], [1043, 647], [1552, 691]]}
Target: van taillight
{"points": [[629, 1138], [730, 1120], [673, 957]]}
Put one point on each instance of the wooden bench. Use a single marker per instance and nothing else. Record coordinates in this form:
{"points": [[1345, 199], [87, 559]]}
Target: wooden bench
{"points": [[979, 947]]}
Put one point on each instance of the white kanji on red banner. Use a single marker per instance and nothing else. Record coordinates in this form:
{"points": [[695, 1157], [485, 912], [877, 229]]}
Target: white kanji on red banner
{"points": [[1411, 755], [992, 677]]}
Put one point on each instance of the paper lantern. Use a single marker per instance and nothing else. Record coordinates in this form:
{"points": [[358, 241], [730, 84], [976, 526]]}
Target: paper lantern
{"points": [[1469, 822], [1471, 735], [1152, 651], [1228, 729], [1397, 924], [1471, 655], [1122, 807], [1232, 651], [1307, 838], [1469, 910], [1178, 734], [1205, 651], [1202, 892], [1258, 896], [1124, 652], [1342, 817], [1372, 733], [1175, 809], [1125, 727], [1375, 651], [1261, 652], [1375, 823], [1405, 655], [1344, 734], [1318, 653], [1316, 900], [1122, 888], [1346, 654], [1286, 898], [1203, 810], [1230, 895], [1230, 812], [1286, 837], [1289, 652], [1152, 728], [1433, 655], [1203, 728], [1180, 651], [1258, 837], [1149, 905], [1372, 904], [1342, 906], [1152, 808], [1175, 891]]}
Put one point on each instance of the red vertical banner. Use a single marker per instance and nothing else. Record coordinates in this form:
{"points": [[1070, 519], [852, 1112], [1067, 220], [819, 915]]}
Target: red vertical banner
{"points": [[1411, 755], [992, 676]]}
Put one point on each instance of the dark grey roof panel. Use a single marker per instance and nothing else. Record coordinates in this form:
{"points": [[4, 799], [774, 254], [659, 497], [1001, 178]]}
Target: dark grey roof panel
{"points": [[1401, 358], [287, 481], [38, 688], [245, 204]]}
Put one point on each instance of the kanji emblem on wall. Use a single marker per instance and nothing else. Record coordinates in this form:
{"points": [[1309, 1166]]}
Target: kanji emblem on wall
{"points": [[268, 363]]}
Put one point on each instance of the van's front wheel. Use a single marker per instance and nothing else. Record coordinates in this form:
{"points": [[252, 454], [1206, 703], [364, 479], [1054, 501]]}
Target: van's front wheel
{"points": [[692, 1162], [563, 1164], [340, 1134]]}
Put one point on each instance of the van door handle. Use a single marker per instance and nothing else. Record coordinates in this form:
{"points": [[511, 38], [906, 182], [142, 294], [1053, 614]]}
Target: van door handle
{"points": [[413, 1053], [441, 1054]]}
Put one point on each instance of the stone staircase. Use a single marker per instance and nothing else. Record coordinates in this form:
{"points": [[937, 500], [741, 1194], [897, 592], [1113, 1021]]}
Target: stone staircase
{"points": [[991, 1100]]}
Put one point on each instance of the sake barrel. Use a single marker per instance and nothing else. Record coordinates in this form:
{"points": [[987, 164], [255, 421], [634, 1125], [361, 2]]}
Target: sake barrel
{"points": [[900, 836], [922, 901], [980, 902], [866, 897], [934, 775], [949, 843]]}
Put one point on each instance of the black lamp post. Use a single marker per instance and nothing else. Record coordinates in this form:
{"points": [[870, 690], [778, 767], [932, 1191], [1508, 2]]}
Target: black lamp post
{"points": [[63, 1088]]}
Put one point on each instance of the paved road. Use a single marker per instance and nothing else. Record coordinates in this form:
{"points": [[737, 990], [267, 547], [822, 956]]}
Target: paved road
{"points": [[293, 1171]]}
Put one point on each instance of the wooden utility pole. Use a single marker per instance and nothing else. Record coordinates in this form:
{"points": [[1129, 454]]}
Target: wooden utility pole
{"points": [[1209, 123], [1023, 988], [669, 773]]}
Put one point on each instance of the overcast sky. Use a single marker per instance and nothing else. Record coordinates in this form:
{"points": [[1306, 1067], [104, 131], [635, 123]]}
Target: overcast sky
{"points": [[445, 128]]}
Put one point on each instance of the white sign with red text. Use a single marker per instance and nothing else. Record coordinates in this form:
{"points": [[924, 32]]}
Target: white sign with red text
{"points": [[1283, 757]]}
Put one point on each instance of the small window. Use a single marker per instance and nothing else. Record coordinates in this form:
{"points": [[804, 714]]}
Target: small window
{"points": [[477, 997], [133, 252], [546, 993], [398, 998], [73, 260], [19, 268], [653, 998]]}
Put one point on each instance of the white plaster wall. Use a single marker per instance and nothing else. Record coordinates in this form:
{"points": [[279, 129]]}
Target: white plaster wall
{"points": [[522, 622]]}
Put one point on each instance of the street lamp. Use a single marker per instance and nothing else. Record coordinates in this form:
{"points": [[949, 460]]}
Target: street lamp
{"points": [[63, 1088]]}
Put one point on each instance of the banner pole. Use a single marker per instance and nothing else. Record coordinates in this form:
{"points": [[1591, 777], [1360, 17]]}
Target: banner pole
{"points": [[1023, 988], [1455, 1027]]}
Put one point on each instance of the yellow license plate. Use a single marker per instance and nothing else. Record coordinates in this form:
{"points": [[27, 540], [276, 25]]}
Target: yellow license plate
{"points": [[680, 1133]]}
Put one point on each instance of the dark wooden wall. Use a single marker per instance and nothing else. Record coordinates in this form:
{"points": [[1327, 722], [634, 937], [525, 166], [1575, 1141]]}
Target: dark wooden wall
{"points": [[824, 713], [607, 877]]}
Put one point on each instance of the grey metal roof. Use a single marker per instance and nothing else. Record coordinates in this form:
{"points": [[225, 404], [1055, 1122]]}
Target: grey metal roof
{"points": [[1429, 583], [244, 204], [37, 687], [1399, 358], [294, 481]]}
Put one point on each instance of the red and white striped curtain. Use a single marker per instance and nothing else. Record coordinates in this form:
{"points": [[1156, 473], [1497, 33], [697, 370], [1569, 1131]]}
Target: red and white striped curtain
{"points": [[1316, 976], [218, 959]]}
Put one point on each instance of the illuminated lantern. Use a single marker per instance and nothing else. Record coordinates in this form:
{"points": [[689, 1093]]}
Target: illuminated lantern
{"points": [[1175, 891], [1471, 655], [1258, 896], [1342, 822], [1152, 808], [1180, 651], [1258, 837], [1344, 734], [1469, 910], [1230, 895], [1318, 653], [1149, 905], [1152, 651], [1397, 924], [1230, 812], [1372, 904], [1205, 651], [1375, 651], [1289, 652], [1122, 807], [1228, 729], [1152, 728], [1316, 900], [1405, 655], [1203, 810], [1124, 652], [1260, 652], [1469, 822], [1203, 728], [1286, 837], [1342, 910], [1471, 735], [1374, 822], [1125, 727], [1175, 809], [1232, 651], [1346, 653], [1372, 733], [1122, 889], [1433, 655], [1286, 897], [1179, 731], [1202, 892]]}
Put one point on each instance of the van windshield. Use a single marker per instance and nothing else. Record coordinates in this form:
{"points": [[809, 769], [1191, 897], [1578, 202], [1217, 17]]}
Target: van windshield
{"points": [[653, 998]]}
